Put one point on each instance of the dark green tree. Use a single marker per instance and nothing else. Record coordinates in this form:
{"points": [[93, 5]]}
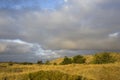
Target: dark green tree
{"points": [[103, 58], [47, 62], [66, 61], [40, 62], [79, 59]]}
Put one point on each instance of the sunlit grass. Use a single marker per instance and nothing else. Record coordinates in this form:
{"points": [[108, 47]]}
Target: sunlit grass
{"points": [[109, 71]]}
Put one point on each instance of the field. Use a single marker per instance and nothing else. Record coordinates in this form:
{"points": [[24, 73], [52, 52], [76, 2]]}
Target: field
{"points": [[85, 71]]}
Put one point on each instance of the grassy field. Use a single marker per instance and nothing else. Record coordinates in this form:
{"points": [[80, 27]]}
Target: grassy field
{"points": [[85, 71]]}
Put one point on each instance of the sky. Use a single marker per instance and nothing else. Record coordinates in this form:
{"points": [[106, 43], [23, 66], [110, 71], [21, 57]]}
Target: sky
{"points": [[45, 29]]}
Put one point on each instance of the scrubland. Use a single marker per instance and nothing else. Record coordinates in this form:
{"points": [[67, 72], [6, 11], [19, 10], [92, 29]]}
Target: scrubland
{"points": [[86, 71]]}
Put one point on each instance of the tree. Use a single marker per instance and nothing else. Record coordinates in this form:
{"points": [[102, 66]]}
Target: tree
{"points": [[103, 58], [66, 61], [47, 62], [39, 62], [54, 63], [79, 59]]}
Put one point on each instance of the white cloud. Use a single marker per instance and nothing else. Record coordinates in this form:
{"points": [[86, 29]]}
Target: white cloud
{"points": [[19, 47], [77, 24], [114, 35], [65, 0], [84, 23], [18, 41]]}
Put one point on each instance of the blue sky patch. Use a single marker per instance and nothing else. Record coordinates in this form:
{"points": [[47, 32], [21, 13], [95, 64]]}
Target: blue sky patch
{"points": [[32, 4]]}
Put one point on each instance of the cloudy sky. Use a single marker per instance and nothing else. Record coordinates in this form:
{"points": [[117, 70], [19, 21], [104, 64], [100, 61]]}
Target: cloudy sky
{"points": [[49, 28]]}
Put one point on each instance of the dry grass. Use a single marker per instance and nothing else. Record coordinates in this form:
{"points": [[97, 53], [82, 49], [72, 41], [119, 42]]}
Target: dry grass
{"points": [[91, 71], [95, 72], [57, 61]]}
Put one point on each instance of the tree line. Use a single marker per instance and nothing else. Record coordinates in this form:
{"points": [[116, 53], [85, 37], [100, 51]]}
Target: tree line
{"points": [[101, 58], [98, 58]]}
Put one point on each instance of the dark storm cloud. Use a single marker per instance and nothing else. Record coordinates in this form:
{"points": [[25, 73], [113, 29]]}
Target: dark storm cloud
{"points": [[72, 24]]}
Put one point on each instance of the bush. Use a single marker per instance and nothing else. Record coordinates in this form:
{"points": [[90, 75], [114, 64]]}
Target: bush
{"points": [[66, 61], [103, 58], [39, 62], [53, 75], [54, 63], [10, 63], [79, 59], [47, 62]]}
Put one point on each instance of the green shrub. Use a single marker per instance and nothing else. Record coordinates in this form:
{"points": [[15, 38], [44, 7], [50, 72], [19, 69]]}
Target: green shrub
{"points": [[66, 61], [10, 63], [79, 59], [54, 63], [53, 75], [103, 58], [39, 62], [47, 62]]}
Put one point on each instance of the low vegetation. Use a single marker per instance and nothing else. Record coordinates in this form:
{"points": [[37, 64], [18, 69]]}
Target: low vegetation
{"points": [[102, 66], [103, 58], [66, 61], [53, 75], [79, 59], [76, 59]]}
